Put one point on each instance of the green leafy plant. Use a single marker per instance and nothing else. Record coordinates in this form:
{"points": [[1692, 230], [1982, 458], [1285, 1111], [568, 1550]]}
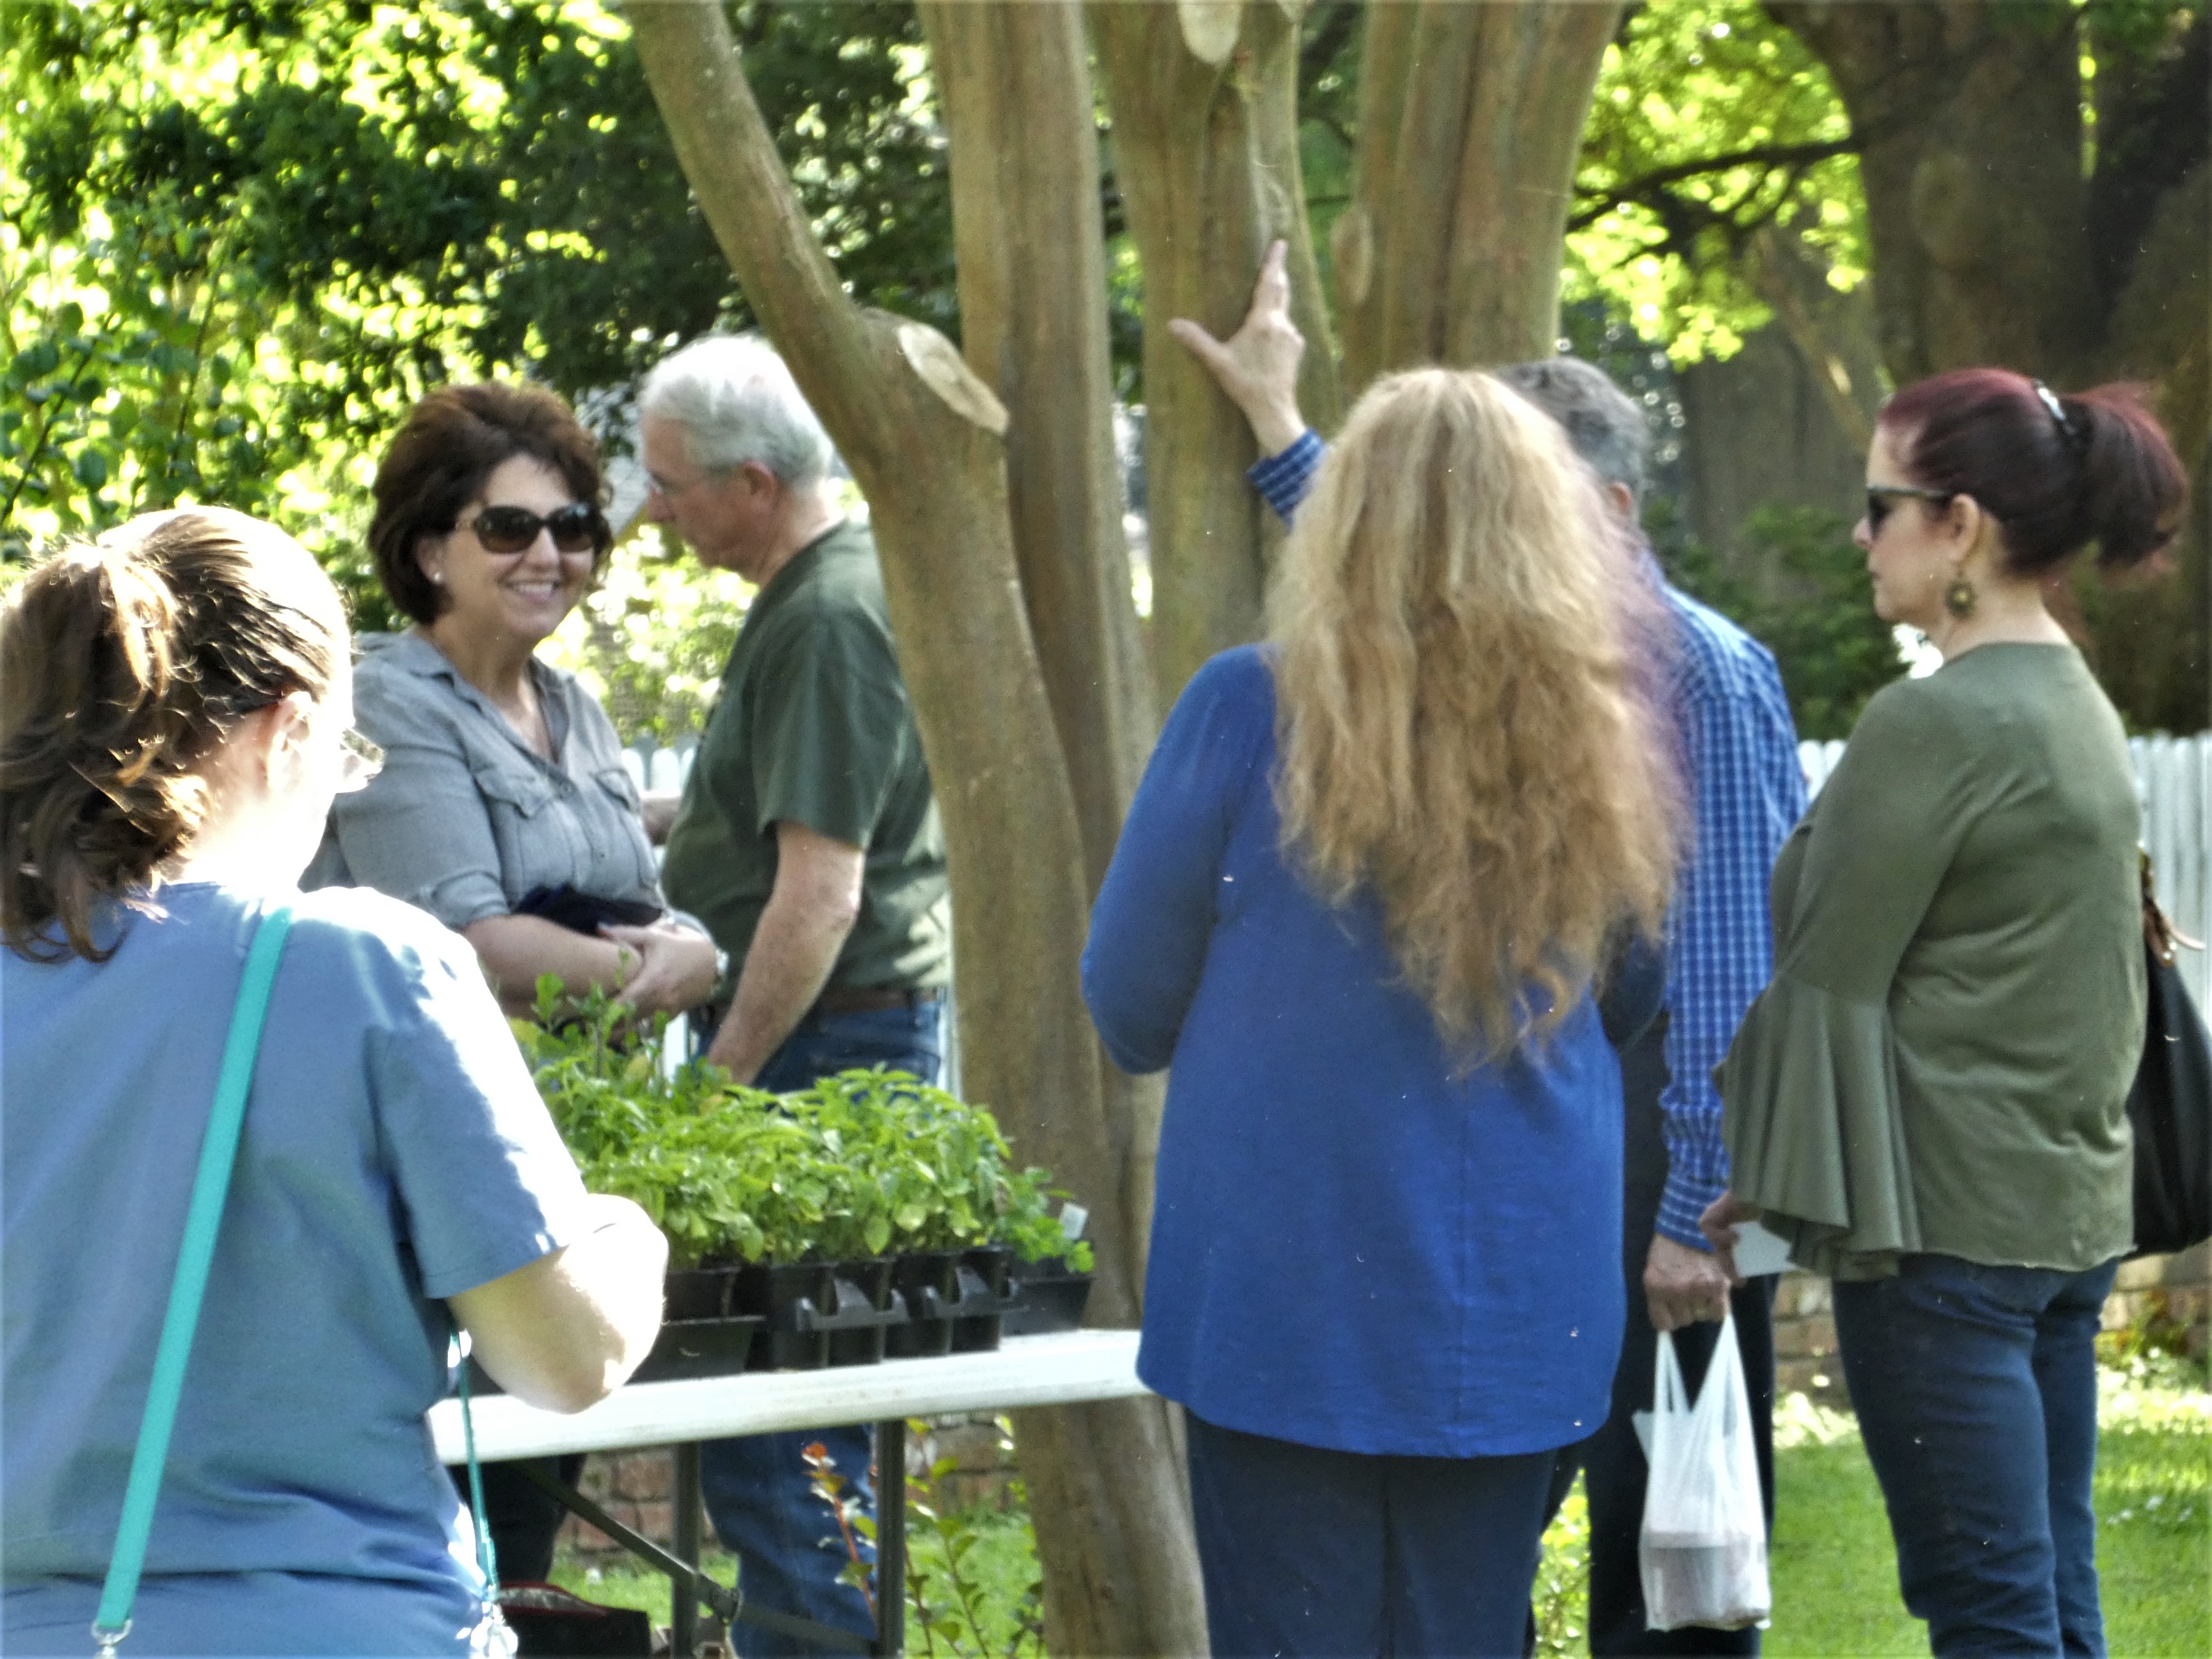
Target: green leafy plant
{"points": [[973, 1585], [861, 1163]]}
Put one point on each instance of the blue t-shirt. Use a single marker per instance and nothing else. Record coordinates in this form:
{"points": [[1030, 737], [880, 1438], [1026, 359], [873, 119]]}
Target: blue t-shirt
{"points": [[395, 1152], [1350, 1247]]}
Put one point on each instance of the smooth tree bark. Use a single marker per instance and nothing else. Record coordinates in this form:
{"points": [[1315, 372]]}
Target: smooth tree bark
{"points": [[1994, 243], [1470, 121], [925, 437], [1203, 97], [1013, 85]]}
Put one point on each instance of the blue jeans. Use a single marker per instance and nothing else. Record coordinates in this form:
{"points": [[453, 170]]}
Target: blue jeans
{"points": [[1309, 1553], [1976, 1389], [758, 1491]]}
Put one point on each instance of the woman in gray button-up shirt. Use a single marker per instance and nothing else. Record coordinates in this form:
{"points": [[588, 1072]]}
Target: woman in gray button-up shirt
{"points": [[503, 775]]}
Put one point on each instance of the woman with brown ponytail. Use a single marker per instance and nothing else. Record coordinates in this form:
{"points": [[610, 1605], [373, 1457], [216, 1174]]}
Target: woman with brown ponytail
{"points": [[1930, 1099], [174, 711]]}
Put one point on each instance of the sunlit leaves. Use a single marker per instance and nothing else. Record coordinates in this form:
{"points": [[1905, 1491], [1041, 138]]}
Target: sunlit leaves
{"points": [[1709, 121], [280, 222]]}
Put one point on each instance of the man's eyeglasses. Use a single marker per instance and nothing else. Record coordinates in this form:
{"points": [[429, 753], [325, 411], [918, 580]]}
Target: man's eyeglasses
{"points": [[1882, 499], [577, 528], [359, 761]]}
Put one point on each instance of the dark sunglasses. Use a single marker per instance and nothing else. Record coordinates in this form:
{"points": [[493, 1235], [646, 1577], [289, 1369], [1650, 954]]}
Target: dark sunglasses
{"points": [[577, 528], [1882, 499]]}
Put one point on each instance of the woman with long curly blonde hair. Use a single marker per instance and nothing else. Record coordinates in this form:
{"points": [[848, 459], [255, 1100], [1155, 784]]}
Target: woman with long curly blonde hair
{"points": [[1360, 900]]}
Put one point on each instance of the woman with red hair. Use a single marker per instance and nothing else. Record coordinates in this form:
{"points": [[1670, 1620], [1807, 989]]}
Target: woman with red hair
{"points": [[1929, 1101]]}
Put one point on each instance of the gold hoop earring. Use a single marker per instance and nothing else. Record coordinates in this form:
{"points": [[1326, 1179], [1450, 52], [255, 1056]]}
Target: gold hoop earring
{"points": [[1960, 596]]}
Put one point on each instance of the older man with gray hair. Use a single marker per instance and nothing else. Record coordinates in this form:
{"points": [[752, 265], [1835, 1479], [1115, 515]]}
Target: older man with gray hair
{"points": [[807, 841], [1739, 751]]}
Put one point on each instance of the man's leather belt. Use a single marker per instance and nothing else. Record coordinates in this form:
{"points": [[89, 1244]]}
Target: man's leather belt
{"points": [[862, 999], [871, 999]]}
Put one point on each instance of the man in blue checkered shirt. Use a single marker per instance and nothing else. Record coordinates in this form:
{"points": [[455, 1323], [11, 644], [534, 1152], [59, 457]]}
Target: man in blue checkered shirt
{"points": [[1746, 792]]}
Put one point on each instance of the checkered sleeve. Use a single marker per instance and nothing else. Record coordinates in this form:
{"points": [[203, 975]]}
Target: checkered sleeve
{"points": [[1284, 479], [1746, 793]]}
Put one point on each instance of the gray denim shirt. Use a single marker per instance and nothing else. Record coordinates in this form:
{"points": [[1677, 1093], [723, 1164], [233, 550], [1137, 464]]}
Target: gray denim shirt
{"points": [[466, 818]]}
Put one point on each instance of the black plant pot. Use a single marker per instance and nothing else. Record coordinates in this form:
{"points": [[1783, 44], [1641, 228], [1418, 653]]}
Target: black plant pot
{"points": [[697, 1292], [700, 1348], [929, 1283], [1052, 1295], [985, 1300], [784, 1295], [865, 1308]]}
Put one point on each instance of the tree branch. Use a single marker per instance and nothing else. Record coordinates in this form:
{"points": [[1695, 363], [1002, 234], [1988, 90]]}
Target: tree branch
{"points": [[1640, 191]]}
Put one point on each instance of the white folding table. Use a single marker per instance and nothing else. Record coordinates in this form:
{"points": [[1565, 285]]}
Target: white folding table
{"points": [[1067, 1368]]}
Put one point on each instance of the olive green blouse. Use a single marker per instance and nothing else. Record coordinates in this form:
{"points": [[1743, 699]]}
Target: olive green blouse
{"points": [[1942, 1060]]}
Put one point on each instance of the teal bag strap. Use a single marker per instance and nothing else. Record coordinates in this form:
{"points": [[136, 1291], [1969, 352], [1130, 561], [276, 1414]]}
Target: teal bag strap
{"points": [[487, 1557], [111, 1623]]}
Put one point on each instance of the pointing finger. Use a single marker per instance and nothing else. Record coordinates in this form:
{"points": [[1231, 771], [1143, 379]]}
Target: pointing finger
{"points": [[1199, 343], [1271, 293]]}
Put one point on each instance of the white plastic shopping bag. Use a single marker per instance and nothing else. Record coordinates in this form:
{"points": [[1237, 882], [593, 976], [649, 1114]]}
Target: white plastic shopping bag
{"points": [[1703, 1546]]}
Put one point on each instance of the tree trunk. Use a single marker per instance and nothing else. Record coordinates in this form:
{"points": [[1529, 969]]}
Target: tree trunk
{"points": [[1014, 88], [924, 437], [1470, 119], [1990, 246], [1938, 93], [1204, 145]]}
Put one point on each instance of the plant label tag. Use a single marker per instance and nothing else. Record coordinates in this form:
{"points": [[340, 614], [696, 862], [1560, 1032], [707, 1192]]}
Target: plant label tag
{"points": [[1073, 1218]]}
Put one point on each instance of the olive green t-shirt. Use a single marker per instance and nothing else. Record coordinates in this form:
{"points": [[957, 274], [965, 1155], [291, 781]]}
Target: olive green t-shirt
{"points": [[813, 725], [1943, 1059]]}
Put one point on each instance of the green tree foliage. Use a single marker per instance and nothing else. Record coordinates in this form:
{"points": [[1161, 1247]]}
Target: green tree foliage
{"points": [[1710, 123], [237, 239]]}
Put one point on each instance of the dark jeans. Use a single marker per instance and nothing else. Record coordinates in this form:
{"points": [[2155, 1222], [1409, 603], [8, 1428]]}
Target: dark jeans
{"points": [[1313, 1555], [758, 1491], [1976, 1389], [1612, 1460]]}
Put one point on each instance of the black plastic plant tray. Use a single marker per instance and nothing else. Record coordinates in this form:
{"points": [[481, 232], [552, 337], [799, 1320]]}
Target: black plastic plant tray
{"points": [[684, 1348], [1049, 1302], [701, 1347], [986, 1298]]}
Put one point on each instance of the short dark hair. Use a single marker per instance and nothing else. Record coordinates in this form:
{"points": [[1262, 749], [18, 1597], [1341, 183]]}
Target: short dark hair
{"points": [[2056, 475], [450, 443]]}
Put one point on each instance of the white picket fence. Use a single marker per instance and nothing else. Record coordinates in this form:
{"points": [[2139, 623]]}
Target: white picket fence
{"points": [[2173, 775], [2174, 779]]}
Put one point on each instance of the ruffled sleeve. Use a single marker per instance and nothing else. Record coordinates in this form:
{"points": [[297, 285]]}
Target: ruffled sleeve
{"points": [[1816, 1132], [1813, 1114]]}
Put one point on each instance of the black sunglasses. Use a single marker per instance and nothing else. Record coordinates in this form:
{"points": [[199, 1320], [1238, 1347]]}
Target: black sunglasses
{"points": [[1882, 499], [577, 528]]}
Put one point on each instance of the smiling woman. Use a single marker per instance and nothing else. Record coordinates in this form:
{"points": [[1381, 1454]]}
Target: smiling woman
{"points": [[504, 809]]}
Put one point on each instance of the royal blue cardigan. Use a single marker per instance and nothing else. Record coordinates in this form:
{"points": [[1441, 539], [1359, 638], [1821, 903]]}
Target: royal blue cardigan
{"points": [[1351, 1249]]}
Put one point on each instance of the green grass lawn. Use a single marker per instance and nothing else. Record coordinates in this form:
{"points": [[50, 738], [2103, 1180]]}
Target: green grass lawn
{"points": [[1834, 1575]]}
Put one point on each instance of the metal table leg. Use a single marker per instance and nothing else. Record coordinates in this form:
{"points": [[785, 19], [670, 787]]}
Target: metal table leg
{"points": [[684, 1489], [890, 1539], [727, 1605]]}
